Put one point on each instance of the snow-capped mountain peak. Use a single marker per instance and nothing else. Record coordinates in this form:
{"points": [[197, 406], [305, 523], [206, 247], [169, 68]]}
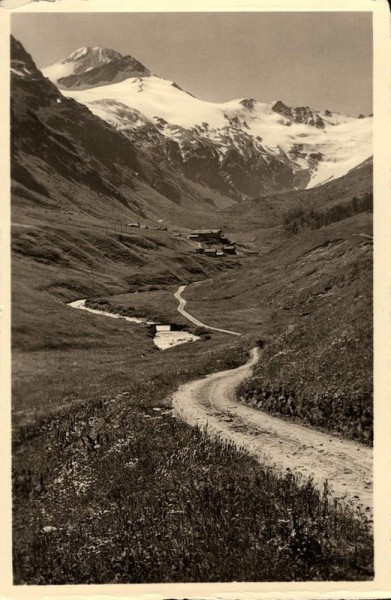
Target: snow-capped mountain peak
{"points": [[90, 66], [242, 146], [94, 54], [81, 61]]}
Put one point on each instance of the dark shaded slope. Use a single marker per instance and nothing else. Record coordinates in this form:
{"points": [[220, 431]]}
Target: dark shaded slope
{"points": [[112, 72], [65, 158], [262, 221], [51, 133]]}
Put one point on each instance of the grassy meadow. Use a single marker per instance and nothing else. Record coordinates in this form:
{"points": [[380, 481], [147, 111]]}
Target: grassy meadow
{"points": [[108, 486], [310, 301], [118, 491]]}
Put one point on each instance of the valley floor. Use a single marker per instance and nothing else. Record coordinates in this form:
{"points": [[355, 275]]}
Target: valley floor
{"points": [[211, 404], [93, 421], [109, 486]]}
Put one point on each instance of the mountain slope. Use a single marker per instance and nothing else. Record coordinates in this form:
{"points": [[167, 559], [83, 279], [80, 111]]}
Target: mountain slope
{"points": [[242, 147], [87, 67], [76, 183], [65, 158], [89, 391], [54, 136]]}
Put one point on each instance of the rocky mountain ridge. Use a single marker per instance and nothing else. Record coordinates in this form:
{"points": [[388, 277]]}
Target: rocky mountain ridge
{"points": [[243, 147], [65, 158], [88, 67]]}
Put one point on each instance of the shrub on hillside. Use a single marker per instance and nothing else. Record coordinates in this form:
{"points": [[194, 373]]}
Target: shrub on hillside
{"points": [[298, 218]]}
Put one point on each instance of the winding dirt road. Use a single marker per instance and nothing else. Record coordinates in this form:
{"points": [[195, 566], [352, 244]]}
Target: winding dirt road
{"points": [[189, 317], [211, 402]]}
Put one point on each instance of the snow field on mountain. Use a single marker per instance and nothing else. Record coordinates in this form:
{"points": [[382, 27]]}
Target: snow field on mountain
{"points": [[58, 70], [154, 106], [81, 61], [346, 146], [343, 145], [156, 97]]}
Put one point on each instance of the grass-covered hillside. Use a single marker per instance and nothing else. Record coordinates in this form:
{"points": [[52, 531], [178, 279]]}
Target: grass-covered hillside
{"points": [[119, 491], [261, 222], [109, 487], [310, 301], [61, 355], [319, 370]]}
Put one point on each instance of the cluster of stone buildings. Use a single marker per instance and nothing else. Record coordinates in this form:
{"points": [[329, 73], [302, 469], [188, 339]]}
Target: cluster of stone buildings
{"points": [[212, 242]]}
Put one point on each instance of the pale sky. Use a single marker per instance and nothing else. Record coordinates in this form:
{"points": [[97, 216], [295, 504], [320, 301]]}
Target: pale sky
{"points": [[323, 60]]}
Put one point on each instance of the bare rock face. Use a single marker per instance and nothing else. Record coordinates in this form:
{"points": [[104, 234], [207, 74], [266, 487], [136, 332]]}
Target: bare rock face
{"points": [[248, 103], [242, 148], [300, 114], [117, 68], [22, 64], [282, 109], [56, 135]]}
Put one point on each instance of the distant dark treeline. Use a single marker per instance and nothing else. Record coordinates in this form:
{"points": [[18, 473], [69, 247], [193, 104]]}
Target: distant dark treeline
{"points": [[299, 218]]}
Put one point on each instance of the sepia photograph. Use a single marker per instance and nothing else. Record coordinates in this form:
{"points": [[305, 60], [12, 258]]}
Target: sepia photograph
{"points": [[191, 229]]}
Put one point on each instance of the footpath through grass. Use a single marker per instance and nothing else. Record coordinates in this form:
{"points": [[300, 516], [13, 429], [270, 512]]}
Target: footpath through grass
{"points": [[120, 491], [111, 488], [320, 370]]}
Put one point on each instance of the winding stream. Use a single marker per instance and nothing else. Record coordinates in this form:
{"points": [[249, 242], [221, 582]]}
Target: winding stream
{"points": [[164, 337]]}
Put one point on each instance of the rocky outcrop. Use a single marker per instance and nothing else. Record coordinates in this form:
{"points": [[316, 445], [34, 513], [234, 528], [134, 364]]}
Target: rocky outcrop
{"points": [[242, 148], [113, 71], [300, 114]]}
